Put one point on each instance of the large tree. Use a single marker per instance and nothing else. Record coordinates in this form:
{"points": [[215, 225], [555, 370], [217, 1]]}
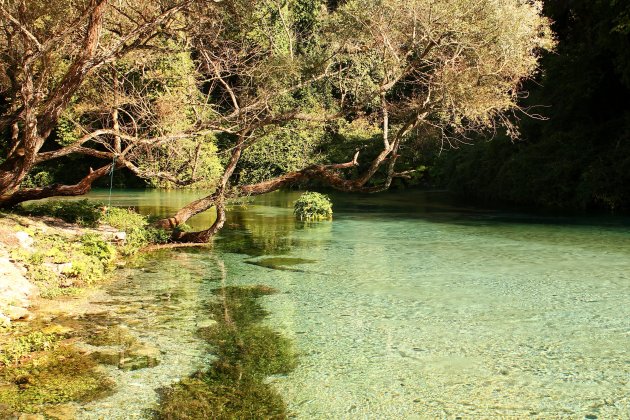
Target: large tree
{"points": [[444, 66], [50, 50]]}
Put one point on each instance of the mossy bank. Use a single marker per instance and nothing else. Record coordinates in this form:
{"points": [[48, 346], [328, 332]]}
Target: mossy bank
{"points": [[51, 255]]}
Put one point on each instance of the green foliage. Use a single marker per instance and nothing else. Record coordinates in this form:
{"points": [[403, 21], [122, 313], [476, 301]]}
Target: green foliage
{"points": [[16, 348], [38, 179], [136, 226], [95, 246], [126, 220], [578, 158], [313, 206], [291, 148], [83, 212]]}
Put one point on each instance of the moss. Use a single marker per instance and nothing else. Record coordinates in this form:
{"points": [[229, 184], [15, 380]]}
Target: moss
{"points": [[247, 352], [53, 377]]}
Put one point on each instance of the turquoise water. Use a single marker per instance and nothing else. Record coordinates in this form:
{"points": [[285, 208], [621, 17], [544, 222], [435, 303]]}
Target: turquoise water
{"points": [[408, 306]]}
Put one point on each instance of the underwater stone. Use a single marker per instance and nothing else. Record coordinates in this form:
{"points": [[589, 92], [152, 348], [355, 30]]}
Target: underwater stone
{"points": [[27, 416], [107, 356], [140, 357], [62, 412]]}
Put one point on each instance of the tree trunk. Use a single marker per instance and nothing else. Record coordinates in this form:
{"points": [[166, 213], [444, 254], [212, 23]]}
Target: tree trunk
{"points": [[80, 188], [205, 235]]}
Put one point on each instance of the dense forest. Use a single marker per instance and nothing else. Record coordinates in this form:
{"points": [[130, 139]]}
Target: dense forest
{"points": [[359, 97], [578, 156]]}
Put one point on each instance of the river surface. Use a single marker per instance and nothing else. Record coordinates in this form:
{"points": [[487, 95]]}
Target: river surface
{"points": [[406, 306]]}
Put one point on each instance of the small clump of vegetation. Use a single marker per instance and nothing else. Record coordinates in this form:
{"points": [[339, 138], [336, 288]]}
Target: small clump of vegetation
{"points": [[313, 206], [139, 231], [62, 265], [247, 353], [18, 347]]}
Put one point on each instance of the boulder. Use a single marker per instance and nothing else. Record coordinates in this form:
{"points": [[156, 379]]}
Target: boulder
{"points": [[120, 237]]}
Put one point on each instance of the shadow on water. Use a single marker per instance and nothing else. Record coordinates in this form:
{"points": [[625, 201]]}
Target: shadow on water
{"points": [[442, 207]]}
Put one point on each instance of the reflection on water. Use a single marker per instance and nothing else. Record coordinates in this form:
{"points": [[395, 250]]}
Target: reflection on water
{"points": [[411, 307]]}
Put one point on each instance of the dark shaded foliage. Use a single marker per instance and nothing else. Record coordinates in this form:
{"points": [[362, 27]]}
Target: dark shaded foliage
{"points": [[580, 157]]}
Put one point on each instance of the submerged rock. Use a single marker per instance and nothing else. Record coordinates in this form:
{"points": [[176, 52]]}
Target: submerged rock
{"points": [[62, 412], [208, 323], [27, 416], [140, 357]]}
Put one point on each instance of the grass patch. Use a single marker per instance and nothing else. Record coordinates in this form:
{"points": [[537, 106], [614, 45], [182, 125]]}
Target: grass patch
{"points": [[247, 352], [82, 212]]}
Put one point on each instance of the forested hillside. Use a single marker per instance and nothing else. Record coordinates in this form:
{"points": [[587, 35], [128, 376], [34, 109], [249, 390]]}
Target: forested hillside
{"points": [[579, 157]]}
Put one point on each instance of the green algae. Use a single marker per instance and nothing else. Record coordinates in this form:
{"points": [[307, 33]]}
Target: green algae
{"points": [[247, 353], [40, 367], [281, 263], [115, 335], [52, 377]]}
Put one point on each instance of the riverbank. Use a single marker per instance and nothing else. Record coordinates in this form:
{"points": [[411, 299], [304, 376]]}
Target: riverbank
{"points": [[45, 257], [51, 276]]}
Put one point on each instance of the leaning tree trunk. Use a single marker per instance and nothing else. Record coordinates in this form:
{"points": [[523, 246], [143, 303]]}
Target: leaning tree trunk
{"points": [[55, 190]]}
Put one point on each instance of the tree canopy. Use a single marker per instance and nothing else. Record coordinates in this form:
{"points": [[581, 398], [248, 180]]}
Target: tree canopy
{"points": [[250, 96]]}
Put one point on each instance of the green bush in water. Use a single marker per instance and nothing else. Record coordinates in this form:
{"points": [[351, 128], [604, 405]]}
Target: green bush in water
{"points": [[313, 206]]}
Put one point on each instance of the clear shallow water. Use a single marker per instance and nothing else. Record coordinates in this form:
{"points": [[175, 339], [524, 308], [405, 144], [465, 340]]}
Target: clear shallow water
{"points": [[414, 308]]}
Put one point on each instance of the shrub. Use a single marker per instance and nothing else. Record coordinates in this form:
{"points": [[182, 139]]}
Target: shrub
{"points": [[82, 212], [313, 206], [139, 232], [94, 245]]}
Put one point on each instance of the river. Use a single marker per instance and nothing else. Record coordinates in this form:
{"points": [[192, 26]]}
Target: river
{"points": [[404, 306]]}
